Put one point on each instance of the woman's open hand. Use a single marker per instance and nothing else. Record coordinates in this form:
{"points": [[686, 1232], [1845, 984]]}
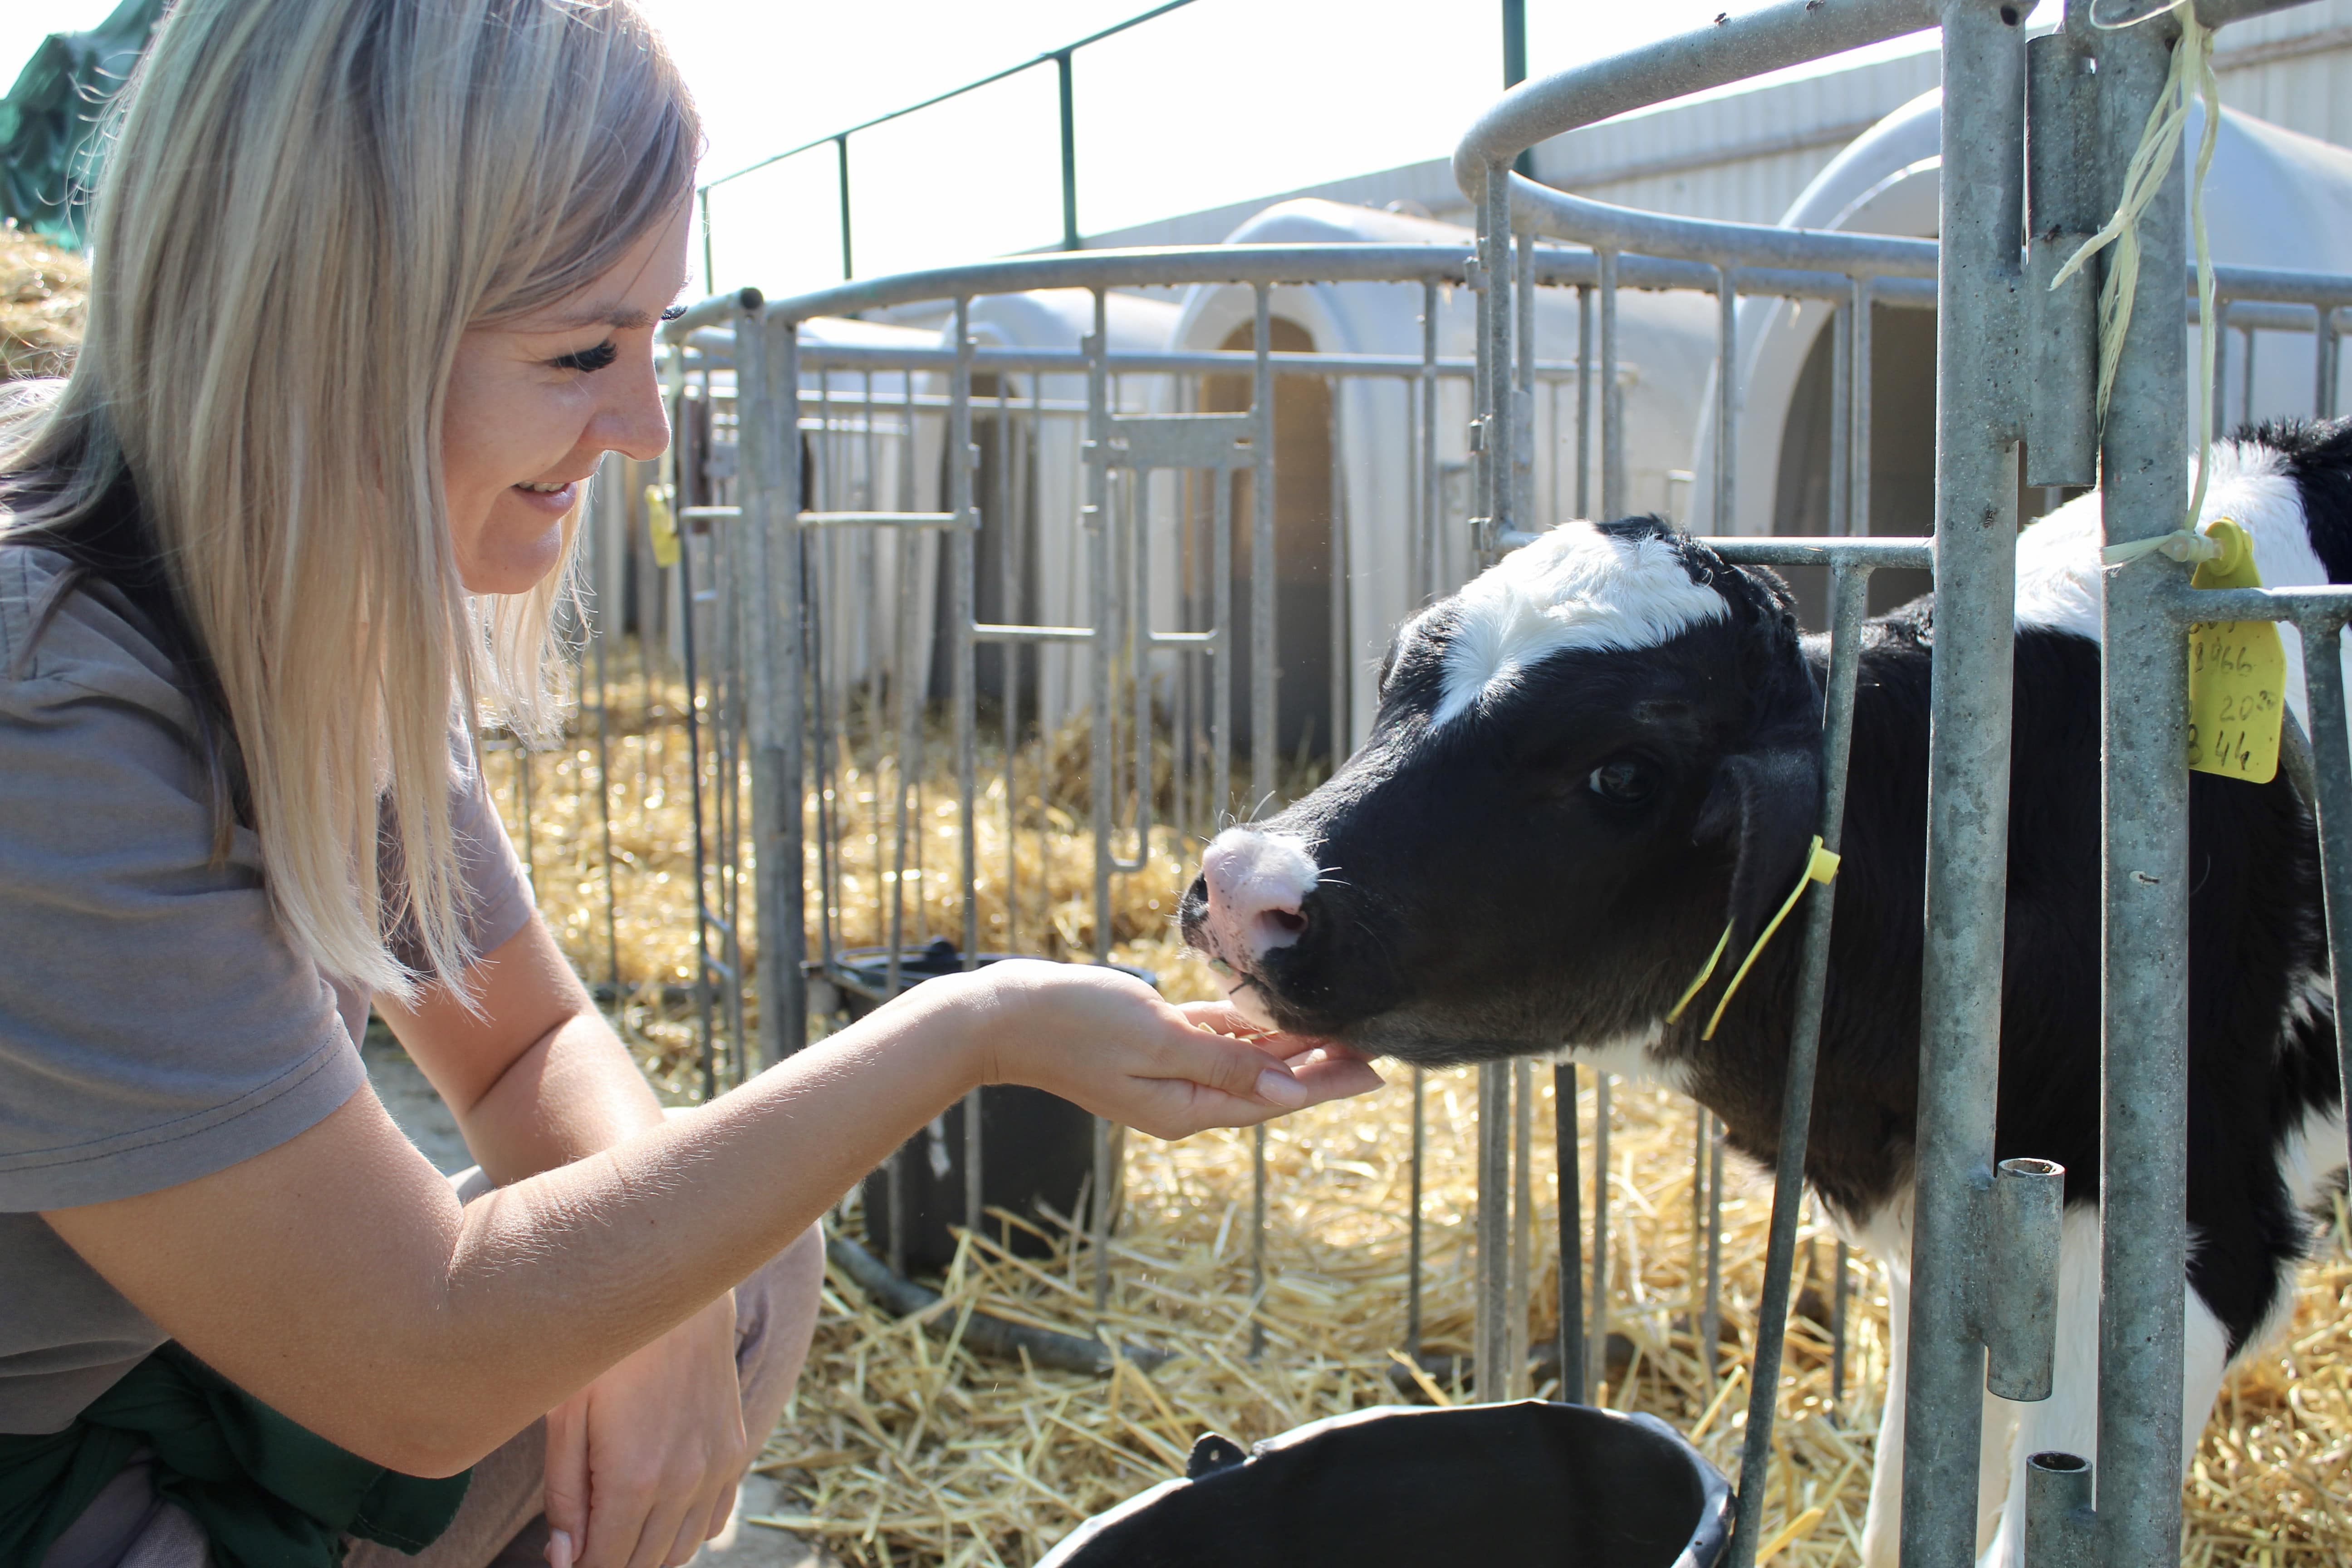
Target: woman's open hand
{"points": [[642, 1464], [1107, 1041]]}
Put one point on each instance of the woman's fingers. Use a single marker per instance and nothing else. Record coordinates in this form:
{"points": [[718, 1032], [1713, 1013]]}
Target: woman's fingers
{"points": [[565, 1501]]}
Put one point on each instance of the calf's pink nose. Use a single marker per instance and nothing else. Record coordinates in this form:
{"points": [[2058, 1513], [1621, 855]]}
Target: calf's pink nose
{"points": [[1257, 885]]}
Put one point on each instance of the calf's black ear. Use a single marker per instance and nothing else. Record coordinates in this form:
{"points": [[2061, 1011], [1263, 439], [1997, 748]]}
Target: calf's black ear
{"points": [[1764, 807]]}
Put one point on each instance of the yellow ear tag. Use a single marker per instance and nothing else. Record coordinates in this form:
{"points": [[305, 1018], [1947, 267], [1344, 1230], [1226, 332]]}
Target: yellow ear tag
{"points": [[660, 527], [2237, 674], [1821, 866]]}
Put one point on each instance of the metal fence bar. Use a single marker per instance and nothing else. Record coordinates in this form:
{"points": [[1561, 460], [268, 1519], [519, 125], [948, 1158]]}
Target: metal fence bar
{"points": [[1568, 1185], [1977, 375], [1849, 597], [2144, 864]]}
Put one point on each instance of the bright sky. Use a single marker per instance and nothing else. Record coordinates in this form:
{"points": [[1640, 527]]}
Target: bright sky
{"points": [[1221, 102]]}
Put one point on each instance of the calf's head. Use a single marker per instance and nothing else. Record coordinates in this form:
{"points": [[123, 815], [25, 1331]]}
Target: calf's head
{"points": [[1583, 765]]}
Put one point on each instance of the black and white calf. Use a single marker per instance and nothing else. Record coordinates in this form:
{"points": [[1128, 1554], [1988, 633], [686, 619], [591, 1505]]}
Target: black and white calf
{"points": [[1587, 756]]}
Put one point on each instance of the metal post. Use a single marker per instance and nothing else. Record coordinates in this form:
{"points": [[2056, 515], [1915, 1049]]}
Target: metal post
{"points": [[1098, 534], [1978, 380], [1502, 397], [963, 542], [1491, 1336], [1596, 1336], [1430, 559], [1612, 404], [1849, 593], [1584, 401], [767, 417], [1857, 488], [1839, 521], [1567, 1183], [2144, 1060], [841, 162], [1727, 400], [1711, 1317], [2323, 667], [707, 1053], [1413, 1224], [1070, 240], [1263, 743], [1523, 397], [599, 635], [1523, 1224]]}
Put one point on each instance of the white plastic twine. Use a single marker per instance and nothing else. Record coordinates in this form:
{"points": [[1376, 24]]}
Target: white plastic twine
{"points": [[2152, 161]]}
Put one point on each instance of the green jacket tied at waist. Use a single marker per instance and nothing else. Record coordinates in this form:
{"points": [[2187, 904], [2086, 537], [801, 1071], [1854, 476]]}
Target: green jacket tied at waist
{"points": [[267, 1492]]}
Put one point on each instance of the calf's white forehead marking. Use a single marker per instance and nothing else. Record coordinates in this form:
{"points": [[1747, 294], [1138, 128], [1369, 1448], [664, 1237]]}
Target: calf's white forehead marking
{"points": [[1574, 589]]}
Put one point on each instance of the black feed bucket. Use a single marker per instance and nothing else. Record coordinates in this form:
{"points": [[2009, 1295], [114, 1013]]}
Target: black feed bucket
{"points": [[1528, 1482], [1036, 1148]]}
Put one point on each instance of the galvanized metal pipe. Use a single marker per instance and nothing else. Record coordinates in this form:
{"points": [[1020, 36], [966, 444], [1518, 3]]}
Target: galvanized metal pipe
{"points": [[1612, 400], [1849, 597], [2331, 802], [2144, 867], [1979, 381], [1491, 1336], [1726, 402], [1568, 1190]]}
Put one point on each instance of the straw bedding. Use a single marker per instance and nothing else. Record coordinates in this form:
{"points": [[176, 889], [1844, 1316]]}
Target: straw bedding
{"points": [[902, 1448], [42, 293]]}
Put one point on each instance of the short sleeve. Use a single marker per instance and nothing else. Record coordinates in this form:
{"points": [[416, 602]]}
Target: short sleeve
{"points": [[155, 1024], [496, 898]]}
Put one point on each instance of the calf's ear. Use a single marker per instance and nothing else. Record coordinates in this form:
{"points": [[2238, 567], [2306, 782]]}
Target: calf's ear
{"points": [[1764, 808]]}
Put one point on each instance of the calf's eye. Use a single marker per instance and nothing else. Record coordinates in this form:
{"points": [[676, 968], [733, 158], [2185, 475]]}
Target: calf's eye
{"points": [[1625, 783]]}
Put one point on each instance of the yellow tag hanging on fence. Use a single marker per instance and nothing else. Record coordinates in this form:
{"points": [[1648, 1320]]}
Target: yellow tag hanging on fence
{"points": [[661, 528], [2237, 674]]}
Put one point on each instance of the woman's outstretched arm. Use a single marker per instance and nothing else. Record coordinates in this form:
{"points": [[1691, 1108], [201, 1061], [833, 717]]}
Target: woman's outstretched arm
{"points": [[337, 1278]]}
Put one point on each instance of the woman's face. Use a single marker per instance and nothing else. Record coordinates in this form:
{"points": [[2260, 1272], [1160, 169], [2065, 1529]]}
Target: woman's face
{"points": [[534, 403]]}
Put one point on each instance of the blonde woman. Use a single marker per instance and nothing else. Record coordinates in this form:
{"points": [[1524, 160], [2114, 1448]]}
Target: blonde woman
{"points": [[376, 285]]}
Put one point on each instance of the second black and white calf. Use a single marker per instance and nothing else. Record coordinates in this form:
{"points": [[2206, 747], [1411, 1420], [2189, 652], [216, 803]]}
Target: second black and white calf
{"points": [[1610, 742]]}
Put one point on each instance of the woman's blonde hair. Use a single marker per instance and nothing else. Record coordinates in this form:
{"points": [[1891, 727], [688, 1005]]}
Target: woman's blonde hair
{"points": [[306, 204]]}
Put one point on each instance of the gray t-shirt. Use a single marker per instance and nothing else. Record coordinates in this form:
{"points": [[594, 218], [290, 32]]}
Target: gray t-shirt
{"points": [[155, 1024]]}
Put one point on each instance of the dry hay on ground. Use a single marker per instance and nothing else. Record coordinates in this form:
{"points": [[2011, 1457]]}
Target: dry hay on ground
{"points": [[44, 292], [903, 1450]]}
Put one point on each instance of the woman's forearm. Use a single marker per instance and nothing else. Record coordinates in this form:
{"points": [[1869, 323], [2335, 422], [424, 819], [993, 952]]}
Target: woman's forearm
{"points": [[575, 1093], [556, 1277]]}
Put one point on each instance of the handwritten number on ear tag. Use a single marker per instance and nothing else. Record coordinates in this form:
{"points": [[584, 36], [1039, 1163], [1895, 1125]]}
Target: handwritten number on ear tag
{"points": [[2237, 674]]}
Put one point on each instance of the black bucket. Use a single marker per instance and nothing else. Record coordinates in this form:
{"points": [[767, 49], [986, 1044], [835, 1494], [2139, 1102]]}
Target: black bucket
{"points": [[1528, 1482], [1036, 1148]]}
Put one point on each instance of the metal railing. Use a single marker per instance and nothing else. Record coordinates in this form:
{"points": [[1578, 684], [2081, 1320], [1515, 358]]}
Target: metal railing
{"points": [[2016, 365], [1970, 1321]]}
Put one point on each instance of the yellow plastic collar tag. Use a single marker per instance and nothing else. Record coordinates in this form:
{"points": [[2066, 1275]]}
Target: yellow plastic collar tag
{"points": [[2237, 674], [661, 530], [1821, 866]]}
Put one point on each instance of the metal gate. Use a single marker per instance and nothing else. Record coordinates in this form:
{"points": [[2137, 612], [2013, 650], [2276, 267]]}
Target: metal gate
{"points": [[2041, 130]]}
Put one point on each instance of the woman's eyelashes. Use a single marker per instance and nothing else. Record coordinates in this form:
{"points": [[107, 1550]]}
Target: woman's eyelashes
{"points": [[589, 359]]}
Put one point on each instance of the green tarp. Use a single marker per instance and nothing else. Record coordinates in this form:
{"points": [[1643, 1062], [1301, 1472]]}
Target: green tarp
{"points": [[49, 120]]}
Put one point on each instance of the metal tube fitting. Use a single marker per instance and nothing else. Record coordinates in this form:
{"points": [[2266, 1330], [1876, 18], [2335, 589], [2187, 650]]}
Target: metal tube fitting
{"points": [[2058, 1519], [2020, 1301]]}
